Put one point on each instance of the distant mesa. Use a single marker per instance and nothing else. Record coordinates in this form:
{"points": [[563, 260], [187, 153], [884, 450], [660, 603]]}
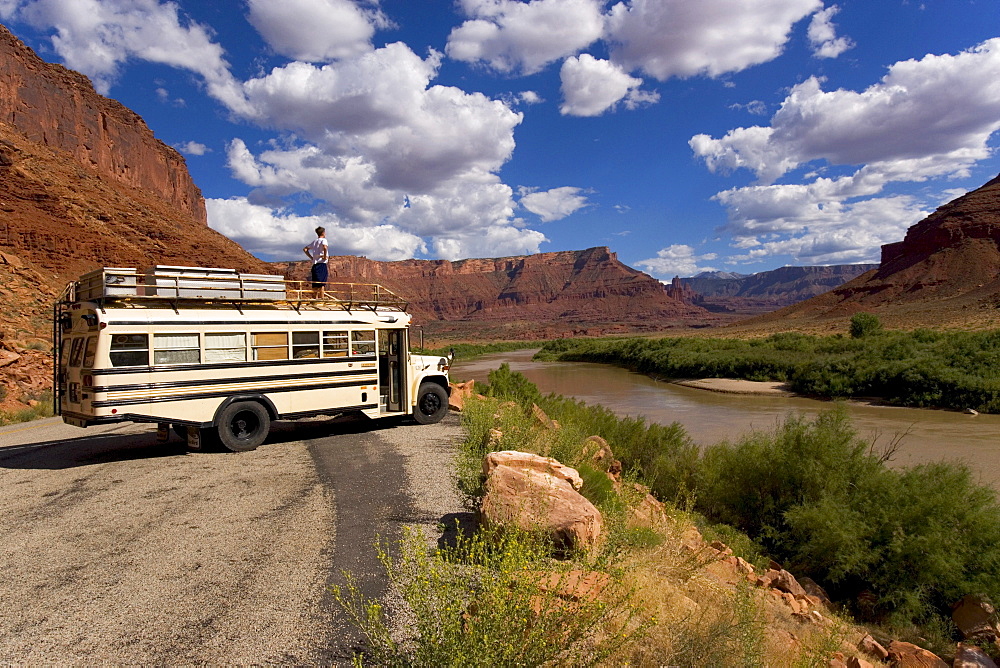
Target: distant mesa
{"points": [[587, 292]]}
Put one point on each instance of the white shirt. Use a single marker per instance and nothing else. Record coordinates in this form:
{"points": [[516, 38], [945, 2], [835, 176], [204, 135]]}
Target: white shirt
{"points": [[318, 250]]}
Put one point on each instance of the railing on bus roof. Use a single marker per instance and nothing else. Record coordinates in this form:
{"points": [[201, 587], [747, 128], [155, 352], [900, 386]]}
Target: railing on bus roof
{"points": [[204, 286]]}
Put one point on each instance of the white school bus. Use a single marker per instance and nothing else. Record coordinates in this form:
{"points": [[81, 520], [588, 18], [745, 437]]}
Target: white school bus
{"points": [[217, 355]]}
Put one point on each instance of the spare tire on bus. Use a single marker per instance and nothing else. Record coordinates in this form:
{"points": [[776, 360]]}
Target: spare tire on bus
{"points": [[243, 425], [432, 403]]}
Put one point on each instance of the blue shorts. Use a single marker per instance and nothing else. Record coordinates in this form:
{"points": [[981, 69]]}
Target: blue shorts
{"points": [[319, 274]]}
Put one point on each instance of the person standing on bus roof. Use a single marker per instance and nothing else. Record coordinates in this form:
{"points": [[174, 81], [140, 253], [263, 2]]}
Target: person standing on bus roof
{"points": [[318, 252]]}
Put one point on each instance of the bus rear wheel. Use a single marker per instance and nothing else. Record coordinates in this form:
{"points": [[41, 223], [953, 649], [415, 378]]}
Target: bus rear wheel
{"points": [[243, 426], [432, 403]]}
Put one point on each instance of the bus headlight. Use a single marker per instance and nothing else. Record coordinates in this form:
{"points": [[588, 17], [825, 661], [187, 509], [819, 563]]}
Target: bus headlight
{"points": [[444, 364]]}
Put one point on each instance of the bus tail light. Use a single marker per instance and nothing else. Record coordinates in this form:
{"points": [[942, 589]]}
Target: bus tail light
{"points": [[88, 380]]}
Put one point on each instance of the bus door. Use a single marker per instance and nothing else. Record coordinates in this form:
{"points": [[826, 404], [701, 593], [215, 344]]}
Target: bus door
{"points": [[391, 347]]}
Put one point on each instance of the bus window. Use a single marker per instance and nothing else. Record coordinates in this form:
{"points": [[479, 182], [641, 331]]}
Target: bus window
{"points": [[64, 354], [305, 344], [335, 344], [91, 352], [77, 355], [226, 347], [270, 345], [363, 342], [176, 349], [129, 350]]}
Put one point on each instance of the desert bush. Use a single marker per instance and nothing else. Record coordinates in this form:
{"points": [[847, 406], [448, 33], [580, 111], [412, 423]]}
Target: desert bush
{"points": [[821, 501], [489, 600], [728, 633], [864, 324], [42, 409]]}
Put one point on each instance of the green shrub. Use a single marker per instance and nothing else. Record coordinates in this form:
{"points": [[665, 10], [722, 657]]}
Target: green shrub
{"points": [[490, 600], [823, 503], [864, 324], [808, 493], [42, 409]]}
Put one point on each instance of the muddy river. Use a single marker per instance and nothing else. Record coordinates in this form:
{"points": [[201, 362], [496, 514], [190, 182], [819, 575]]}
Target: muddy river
{"points": [[927, 435]]}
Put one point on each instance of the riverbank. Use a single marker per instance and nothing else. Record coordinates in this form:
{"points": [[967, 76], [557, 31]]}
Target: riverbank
{"points": [[710, 417], [919, 369]]}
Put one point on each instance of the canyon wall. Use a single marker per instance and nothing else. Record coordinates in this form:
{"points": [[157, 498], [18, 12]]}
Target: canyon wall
{"points": [[58, 108]]}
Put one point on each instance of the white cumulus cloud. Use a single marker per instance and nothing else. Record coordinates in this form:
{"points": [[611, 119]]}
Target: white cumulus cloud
{"points": [[676, 260], [554, 204], [909, 116], [823, 35], [316, 30], [591, 86], [280, 235], [906, 128], [376, 142], [514, 36], [96, 37], [193, 148], [680, 38]]}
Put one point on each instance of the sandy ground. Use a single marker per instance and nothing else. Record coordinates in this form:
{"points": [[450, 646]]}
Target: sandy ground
{"points": [[736, 386], [115, 549]]}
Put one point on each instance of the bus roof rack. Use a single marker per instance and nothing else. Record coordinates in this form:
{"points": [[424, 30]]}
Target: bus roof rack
{"points": [[206, 286]]}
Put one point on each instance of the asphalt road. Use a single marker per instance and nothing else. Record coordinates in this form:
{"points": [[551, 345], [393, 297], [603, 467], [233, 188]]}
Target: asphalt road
{"points": [[116, 549]]}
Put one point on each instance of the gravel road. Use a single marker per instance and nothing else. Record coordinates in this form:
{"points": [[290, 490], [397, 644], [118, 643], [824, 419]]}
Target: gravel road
{"points": [[116, 549]]}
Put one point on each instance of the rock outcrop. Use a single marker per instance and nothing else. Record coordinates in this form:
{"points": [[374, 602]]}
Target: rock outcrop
{"points": [[908, 655], [976, 618], [532, 296], [538, 494]]}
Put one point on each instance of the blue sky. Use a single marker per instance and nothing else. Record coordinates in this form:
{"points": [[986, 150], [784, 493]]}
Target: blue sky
{"points": [[736, 135]]}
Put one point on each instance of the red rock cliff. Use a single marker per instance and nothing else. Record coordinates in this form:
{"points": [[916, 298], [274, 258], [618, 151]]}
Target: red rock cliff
{"points": [[59, 108]]}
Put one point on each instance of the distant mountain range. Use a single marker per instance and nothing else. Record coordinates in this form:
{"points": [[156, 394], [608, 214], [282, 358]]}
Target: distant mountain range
{"points": [[768, 290]]}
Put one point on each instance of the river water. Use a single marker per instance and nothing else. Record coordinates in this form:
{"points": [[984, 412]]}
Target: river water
{"points": [[709, 417]]}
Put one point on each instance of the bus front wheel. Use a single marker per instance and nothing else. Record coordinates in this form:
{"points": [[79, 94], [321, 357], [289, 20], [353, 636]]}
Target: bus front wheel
{"points": [[243, 426], [432, 404]]}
